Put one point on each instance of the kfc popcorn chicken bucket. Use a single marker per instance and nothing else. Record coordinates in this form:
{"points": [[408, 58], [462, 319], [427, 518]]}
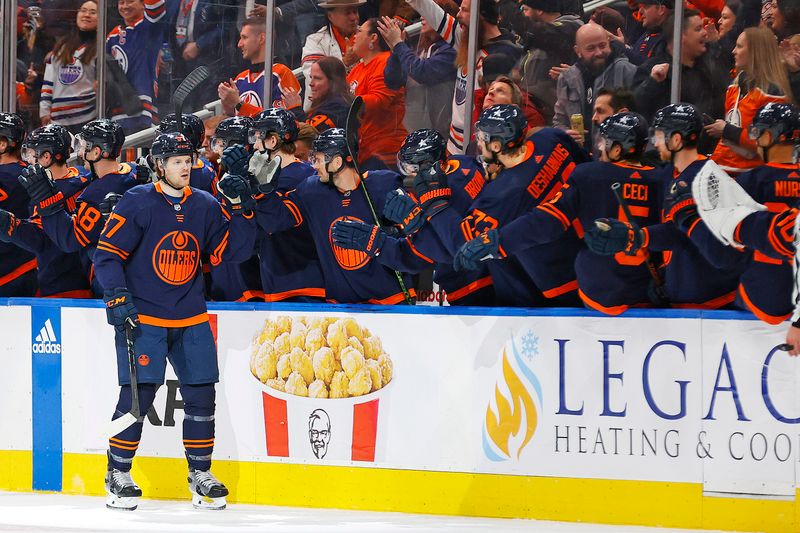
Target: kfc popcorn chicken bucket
{"points": [[325, 382]]}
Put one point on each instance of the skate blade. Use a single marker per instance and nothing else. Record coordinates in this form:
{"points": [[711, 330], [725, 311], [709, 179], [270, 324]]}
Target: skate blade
{"points": [[121, 504], [212, 504]]}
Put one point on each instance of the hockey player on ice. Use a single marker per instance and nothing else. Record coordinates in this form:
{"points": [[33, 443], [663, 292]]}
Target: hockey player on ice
{"points": [[148, 259]]}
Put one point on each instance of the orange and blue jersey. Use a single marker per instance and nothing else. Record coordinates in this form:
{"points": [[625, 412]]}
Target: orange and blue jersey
{"points": [[203, 176], [765, 287], [60, 274], [136, 49], [152, 245], [250, 84], [543, 274], [699, 271], [609, 284], [351, 276], [14, 262]]}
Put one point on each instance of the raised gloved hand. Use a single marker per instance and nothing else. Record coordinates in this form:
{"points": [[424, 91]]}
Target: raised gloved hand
{"points": [[482, 248], [107, 205], [41, 189], [8, 223], [120, 309], [265, 171], [430, 185], [404, 211], [610, 236], [356, 235], [235, 159], [145, 171], [680, 207], [236, 193]]}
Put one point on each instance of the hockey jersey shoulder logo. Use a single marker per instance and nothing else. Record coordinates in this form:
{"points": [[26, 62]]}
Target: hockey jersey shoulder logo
{"points": [[176, 257], [347, 259]]}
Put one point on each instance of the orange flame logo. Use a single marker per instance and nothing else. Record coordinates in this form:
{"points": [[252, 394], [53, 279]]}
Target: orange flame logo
{"points": [[512, 416]]}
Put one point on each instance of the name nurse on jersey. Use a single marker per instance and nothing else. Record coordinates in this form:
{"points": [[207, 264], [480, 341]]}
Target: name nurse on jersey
{"points": [[175, 257]]}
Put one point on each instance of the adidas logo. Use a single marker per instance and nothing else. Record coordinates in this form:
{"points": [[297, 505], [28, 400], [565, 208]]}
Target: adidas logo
{"points": [[46, 341]]}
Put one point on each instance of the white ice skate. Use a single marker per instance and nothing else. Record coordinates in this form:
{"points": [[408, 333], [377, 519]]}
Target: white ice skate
{"points": [[122, 492], [721, 202], [207, 491]]}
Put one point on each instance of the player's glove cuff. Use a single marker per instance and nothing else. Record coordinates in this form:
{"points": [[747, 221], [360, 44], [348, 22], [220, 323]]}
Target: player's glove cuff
{"points": [[610, 236], [51, 205]]}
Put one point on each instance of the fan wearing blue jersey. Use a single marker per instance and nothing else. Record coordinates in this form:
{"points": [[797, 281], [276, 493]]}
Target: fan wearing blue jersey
{"points": [[148, 259], [101, 142], [290, 268], [17, 266], [609, 284], [59, 274], [699, 271], [321, 200]]}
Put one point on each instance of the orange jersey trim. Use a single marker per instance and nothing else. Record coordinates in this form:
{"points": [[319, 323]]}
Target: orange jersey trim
{"points": [[715, 303], [469, 289], [310, 291], [563, 289], [168, 323], [249, 295], [394, 299], [19, 271], [762, 315], [614, 310]]}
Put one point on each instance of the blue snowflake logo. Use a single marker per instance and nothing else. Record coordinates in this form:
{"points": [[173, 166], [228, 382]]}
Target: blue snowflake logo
{"points": [[530, 345]]}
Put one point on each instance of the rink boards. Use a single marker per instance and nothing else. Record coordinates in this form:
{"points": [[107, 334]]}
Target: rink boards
{"points": [[670, 418]]}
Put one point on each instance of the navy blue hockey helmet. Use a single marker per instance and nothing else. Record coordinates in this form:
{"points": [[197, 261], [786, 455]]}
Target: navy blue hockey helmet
{"points": [[192, 128], [628, 130], [781, 120], [502, 122], [679, 118], [231, 131], [274, 120], [12, 128], [421, 149], [332, 142], [105, 134], [171, 144], [52, 138]]}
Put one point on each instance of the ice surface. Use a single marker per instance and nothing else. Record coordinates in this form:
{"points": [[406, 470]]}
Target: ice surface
{"points": [[62, 513]]}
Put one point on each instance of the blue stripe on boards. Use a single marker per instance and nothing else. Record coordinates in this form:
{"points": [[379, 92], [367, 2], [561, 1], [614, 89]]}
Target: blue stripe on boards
{"points": [[46, 397]]}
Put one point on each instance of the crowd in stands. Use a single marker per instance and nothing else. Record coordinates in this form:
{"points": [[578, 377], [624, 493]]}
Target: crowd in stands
{"points": [[560, 83]]}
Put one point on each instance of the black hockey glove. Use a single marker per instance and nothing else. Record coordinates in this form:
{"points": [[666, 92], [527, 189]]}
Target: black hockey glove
{"points": [[8, 223], [356, 235], [236, 194], [431, 187], [482, 248], [235, 159], [610, 236], [120, 309], [680, 207], [145, 171], [404, 211], [41, 190], [107, 205]]}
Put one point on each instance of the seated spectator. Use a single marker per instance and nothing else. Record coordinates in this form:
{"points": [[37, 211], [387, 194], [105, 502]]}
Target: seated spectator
{"points": [[454, 30], [653, 15], [762, 79], [548, 34], [335, 39], [330, 96], [382, 131], [242, 96], [609, 102], [68, 93], [431, 70], [598, 66], [703, 78]]}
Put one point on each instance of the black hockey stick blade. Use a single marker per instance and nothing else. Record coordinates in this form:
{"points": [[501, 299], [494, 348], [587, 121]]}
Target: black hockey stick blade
{"points": [[354, 115], [118, 425], [187, 86]]}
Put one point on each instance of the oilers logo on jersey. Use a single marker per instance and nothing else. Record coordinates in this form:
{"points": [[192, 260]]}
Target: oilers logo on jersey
{"points": [[347, 259], [119, 54], [69, 74], [176, 257]]}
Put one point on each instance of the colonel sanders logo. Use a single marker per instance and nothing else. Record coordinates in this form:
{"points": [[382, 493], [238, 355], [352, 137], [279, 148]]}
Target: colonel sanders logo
{"points": [[319, 432]]}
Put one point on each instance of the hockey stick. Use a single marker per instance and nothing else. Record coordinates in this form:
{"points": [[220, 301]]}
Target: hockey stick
{"points": [[351, 134], [651, 268], [187, 86], [118, 425]]}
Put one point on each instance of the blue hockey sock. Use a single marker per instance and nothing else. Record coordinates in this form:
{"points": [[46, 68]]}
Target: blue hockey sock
{"points": [[198, 424], [122, 446]]}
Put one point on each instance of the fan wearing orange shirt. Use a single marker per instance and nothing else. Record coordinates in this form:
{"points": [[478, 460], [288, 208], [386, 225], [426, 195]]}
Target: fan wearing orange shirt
{"points": [[382, 130]]}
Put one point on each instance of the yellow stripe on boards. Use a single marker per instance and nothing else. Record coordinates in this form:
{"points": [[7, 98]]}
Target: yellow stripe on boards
{"points": [[564, 499]]}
